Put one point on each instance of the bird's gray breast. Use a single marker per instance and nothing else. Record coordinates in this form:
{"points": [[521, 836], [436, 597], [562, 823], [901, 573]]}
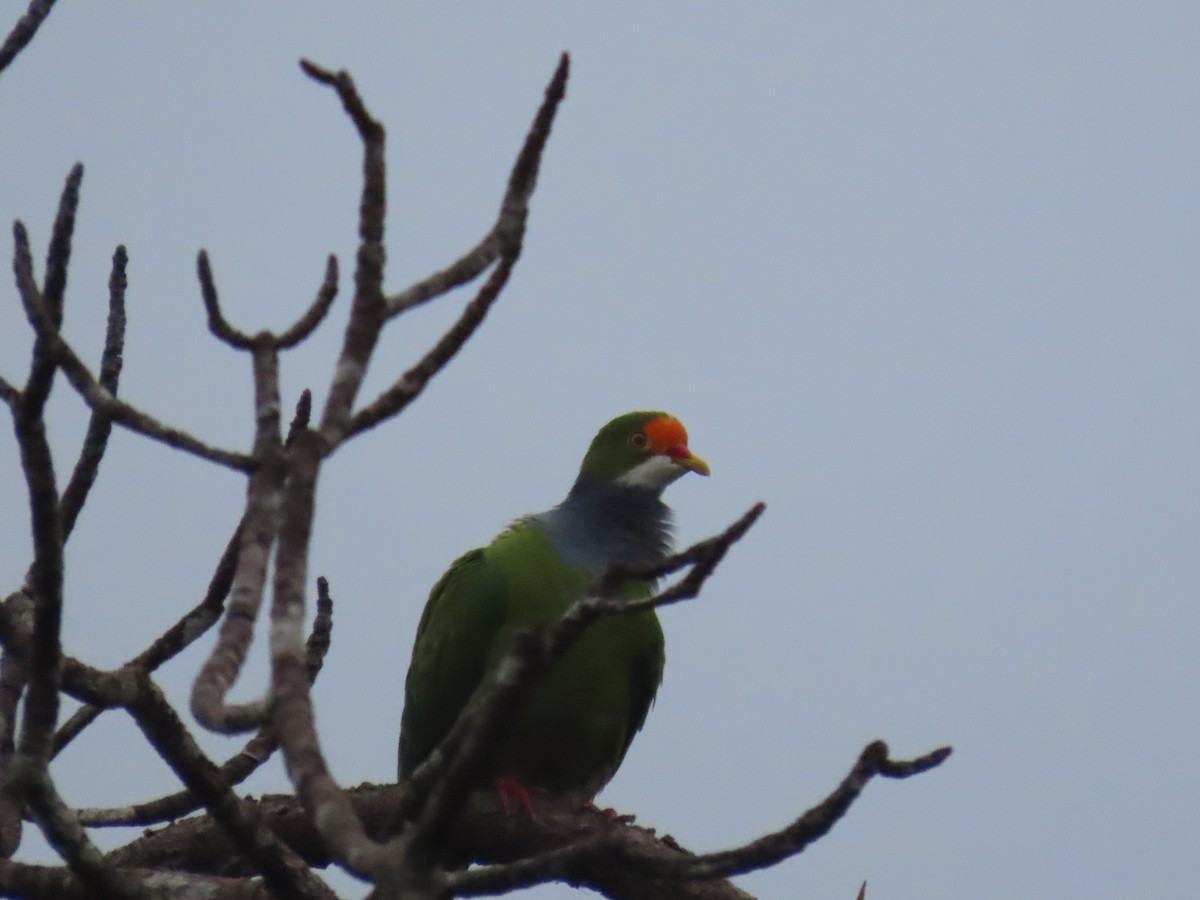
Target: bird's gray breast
{"points": [[597, 532]]}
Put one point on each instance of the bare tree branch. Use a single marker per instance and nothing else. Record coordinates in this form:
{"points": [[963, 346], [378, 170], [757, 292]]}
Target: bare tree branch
{"points": [[85, 384], [400, 837], [513, 209], [239, 766], [504, 242], [25, 774], [301, 418], [134, 691], [79, 680], [8, 393], [301, 329], [100, 424], [582, 846], [68, 838], [291, 704], [45, 577], [282, 870], [564, 863], [24, 31], [31, 882], [366, 311], [409, 386], [58, 253], [809, 827], [259, 525], [50, 297], [291, 710], [171, 642], [702, 556], [316, 313], [217, 323], [12, 685]]}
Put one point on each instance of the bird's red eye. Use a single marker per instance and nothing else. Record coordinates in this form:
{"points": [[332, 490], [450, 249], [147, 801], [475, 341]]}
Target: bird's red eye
{"points": [[639, 440]]}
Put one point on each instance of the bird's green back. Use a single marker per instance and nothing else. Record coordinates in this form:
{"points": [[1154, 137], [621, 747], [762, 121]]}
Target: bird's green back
{"points": [[577, 723]]}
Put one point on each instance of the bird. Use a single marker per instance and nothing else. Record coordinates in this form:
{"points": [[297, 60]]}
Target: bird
{"points": [[576, 724]]}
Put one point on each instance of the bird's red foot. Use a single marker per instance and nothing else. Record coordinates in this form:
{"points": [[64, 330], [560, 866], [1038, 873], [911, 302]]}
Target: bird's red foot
{"points": [[512, 791]]}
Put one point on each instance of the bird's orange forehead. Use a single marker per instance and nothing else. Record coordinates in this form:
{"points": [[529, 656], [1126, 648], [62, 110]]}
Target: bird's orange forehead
{"points": [[666, 432]]}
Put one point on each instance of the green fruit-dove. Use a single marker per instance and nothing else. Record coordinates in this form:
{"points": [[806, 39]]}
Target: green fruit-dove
{"points": [[575, 726]]}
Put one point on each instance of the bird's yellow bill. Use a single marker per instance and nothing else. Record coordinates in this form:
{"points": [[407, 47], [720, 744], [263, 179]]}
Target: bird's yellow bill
{"points": [[693, 462]]}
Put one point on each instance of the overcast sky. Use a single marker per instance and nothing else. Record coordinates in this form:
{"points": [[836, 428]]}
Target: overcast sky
{"points": [[923, 277]]}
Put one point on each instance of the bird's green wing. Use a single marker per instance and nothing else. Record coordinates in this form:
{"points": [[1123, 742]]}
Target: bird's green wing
{"points": [[462, 617], [645, 675]]}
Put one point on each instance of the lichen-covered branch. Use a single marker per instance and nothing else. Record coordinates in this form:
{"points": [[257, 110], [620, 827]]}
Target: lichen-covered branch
{"points": [[367, 307], [291, 708], [31, 882], [70, 841], [259, 526], [282, 870]]}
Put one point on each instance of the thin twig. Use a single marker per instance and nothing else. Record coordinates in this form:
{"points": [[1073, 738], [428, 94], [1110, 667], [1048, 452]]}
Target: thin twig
{"points": [[614, 850], [24, 31], [8, 393], [809, 827], [702, 556], [217, 323], [58, 253], [409, 385], [85, 384], [503, 242], [301, 329], [100, 424], [315, 314], [50, 298], [511, 219], [302, 417]]}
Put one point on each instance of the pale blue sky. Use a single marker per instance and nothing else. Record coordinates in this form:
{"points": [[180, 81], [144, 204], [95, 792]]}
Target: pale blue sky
{"points": [[923, 277]]}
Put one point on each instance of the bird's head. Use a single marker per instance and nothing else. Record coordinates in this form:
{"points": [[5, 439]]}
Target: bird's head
{"points": [[641, 449]]}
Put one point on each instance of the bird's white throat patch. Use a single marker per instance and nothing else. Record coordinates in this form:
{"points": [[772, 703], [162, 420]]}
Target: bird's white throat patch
{"points": [[654, 473]]}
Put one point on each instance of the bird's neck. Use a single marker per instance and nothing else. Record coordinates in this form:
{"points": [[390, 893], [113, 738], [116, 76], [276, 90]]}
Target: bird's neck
{"points": [[602, 524]]}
